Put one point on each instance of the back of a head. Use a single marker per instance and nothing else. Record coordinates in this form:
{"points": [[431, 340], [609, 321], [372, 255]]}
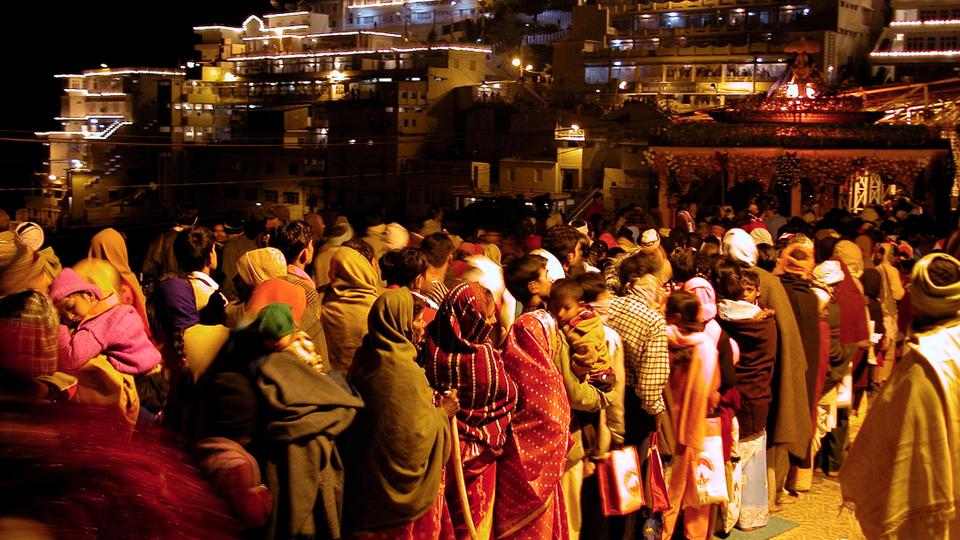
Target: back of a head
{"points": [[438, 248], [684, 263], [187, 216], [401, 267], [561, 241], [626, 232], [291, 238], [685, 305], [593, 285], [639, 265], [566, 290], [726, 279], [520, 272], [192, 248], [361, 246], [766, 257], [694, 241]]}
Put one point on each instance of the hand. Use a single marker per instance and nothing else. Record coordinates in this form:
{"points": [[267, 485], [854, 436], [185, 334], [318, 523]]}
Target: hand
{"points": [[616, 442], [449, 403], [713, 401]]}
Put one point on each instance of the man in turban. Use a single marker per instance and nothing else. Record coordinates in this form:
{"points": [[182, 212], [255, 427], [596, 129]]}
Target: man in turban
{"points": [[903, 472]]}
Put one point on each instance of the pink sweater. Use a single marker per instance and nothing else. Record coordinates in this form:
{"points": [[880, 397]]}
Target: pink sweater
{"points": [[118, 334]]}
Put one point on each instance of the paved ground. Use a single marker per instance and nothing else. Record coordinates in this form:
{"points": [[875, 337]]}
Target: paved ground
{"points": [[818, 511]]}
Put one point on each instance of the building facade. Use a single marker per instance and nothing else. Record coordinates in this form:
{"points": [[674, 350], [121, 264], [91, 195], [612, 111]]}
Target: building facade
{"points": [[94, 175], [694, 54], [921, 43]]}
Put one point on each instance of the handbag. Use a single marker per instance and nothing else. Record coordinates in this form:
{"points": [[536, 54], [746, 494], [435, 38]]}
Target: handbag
{"points": [[656, 481], [618, 476], [709, 470]]}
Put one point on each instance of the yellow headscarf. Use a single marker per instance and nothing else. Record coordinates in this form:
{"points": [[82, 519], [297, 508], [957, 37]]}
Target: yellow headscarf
{"points": [[110, 246], [850, 254], [101, 273]]}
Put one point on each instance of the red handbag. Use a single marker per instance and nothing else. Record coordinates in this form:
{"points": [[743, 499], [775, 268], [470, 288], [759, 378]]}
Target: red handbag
{"points": [[621, 487], [656, 482]]}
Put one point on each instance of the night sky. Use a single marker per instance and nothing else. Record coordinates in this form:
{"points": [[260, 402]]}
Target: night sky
{"points": [[46, 38]]}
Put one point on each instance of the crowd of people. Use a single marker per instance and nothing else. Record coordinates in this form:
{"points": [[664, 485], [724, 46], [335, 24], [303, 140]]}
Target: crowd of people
{"points": [[286, 378]]}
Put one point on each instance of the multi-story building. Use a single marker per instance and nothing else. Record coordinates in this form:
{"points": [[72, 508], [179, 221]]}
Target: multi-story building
{"points": [[700, 53], [94, 175], [345, 118], [281, 109], [921, 43], [413, 18]]}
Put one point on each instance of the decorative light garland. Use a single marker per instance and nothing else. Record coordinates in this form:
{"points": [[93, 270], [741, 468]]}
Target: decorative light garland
{"points": [[103, 72], [913, 54], [217, 27], [291, 14], [931, 22], [294, 56]]}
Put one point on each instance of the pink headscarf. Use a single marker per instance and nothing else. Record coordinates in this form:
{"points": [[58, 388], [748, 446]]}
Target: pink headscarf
{"points": [[704, 292]]}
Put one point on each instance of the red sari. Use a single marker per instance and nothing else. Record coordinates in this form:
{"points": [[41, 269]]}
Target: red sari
{"points": [[459, 355], [529, 501]]}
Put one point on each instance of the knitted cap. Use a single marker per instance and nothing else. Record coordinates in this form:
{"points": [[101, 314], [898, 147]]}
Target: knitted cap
{"points": [[69, 282], [31, 235], [761, 235], [650, 239], [275, 321], [258, 265], [19, 265]]}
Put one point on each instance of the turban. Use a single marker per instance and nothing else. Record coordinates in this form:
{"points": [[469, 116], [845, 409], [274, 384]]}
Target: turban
{"points": [[396, 236], [932, 301], [828, 273], [739, 245]]}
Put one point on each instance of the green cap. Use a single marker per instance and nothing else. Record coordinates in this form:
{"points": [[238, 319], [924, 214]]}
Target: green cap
{"points": [[275, 321]]}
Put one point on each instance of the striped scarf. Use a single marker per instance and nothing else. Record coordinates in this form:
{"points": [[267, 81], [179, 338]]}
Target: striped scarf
{"points": [[459, 355]]}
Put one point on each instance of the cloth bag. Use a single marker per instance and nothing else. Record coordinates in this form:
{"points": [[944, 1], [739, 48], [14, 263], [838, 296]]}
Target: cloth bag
{"points": [[656, 481], [99, 384], [734, 472], [621, 487], [709, 470]]}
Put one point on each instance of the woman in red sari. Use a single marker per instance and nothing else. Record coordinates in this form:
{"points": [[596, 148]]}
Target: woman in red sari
{"points": [[529, 501], [459, 355]]}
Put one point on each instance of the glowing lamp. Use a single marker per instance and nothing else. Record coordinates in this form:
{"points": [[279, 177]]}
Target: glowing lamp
{"points": [[622, 85], [529, 67], [52, 177], [515, 62]]}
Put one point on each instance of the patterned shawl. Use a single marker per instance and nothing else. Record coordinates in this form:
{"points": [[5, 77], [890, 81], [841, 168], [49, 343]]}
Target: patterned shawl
{"points": [[458, 355], [530, 470]]}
